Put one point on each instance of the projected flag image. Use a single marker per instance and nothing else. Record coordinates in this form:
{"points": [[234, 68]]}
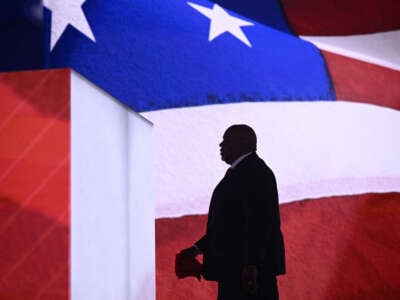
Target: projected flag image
{"points": [[318, 81]]}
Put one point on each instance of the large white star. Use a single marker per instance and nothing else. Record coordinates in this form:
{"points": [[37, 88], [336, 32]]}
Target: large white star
{"points": [[221, 21], [64, 12]]}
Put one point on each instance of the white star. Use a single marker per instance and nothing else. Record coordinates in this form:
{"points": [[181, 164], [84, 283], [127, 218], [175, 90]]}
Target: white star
{"points": [[222, 22], [67, 12]]}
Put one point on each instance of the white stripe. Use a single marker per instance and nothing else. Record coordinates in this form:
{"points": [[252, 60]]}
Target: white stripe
{"points": [[315, 148], [378, 48]]}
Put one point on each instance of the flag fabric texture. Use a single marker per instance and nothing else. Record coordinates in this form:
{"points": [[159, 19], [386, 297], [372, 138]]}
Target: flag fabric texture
{"points": [[318, 81], [164, 45]]}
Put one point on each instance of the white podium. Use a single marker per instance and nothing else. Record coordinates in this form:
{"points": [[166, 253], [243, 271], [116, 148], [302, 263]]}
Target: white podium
{"points": [[76, 191]]}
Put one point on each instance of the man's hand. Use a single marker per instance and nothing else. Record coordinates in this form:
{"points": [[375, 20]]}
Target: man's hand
{"points": [[187, 265], [249, 279]]}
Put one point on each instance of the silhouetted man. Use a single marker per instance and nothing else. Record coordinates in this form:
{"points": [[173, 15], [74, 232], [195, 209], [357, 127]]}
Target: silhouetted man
{"points": [[243, 246]]}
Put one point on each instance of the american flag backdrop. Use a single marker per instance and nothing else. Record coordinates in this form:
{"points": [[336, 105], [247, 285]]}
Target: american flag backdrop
{"points": [[319, 81]]}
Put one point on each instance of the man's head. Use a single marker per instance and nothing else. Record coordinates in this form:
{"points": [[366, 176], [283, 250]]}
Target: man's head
{"points": [[237, 140]]}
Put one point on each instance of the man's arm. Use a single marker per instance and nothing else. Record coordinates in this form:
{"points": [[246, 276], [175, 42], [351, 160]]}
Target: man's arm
{"points": [[258, 213], [196, 249], [259, 195], [202, 244], [249, 279]]}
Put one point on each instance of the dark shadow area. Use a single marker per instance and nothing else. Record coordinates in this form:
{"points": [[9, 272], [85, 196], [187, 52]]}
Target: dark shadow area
{"points": [[47, 91], [34, 254], [21, 35]]}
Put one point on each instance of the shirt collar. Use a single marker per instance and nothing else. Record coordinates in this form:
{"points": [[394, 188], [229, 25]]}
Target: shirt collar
{"points": [[239, 159]]}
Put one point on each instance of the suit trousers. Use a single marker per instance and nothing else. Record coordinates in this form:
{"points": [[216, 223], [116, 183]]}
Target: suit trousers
{"points": [[231, 288]]}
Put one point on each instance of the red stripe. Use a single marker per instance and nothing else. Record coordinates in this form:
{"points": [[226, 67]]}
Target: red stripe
{"points": [[342, 17], [359, 81], [337, 248], [34, 185]]}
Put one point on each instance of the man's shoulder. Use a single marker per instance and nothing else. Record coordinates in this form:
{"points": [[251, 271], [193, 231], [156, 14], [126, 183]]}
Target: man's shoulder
{"points": [[255, 174], [254, 164], [253, 160]]}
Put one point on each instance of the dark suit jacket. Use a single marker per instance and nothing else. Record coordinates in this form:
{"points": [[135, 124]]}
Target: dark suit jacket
{"points": [[243, 225]]}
